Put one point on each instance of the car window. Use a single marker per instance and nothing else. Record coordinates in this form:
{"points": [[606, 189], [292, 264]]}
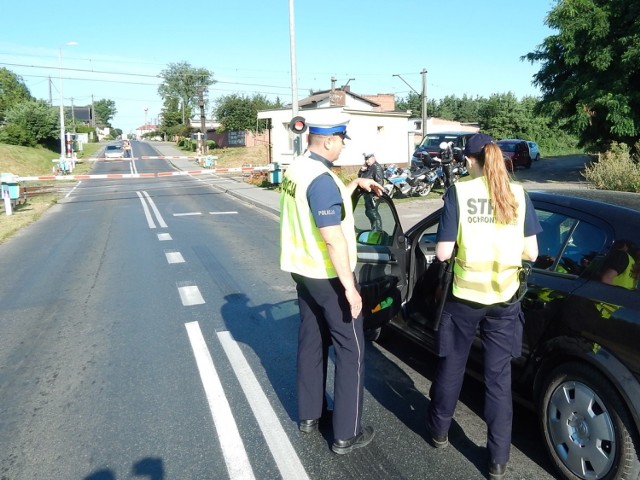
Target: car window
{"points": [[568, 245], [366, 219], [507, 147]]}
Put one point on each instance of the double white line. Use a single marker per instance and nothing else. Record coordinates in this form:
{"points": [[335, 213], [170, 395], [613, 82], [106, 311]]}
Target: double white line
{"points": [[145, 196], [233, 450]]}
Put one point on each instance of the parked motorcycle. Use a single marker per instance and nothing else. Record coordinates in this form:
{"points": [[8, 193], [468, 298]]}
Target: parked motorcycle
{"points": [[407, 182]]}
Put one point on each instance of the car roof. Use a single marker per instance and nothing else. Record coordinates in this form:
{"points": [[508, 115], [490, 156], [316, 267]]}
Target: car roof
{"points": [[621, 210], [510, 140], [451, 133]]}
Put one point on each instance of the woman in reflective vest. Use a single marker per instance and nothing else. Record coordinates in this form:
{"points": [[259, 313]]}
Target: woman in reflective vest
{"points": [[494, 225]]}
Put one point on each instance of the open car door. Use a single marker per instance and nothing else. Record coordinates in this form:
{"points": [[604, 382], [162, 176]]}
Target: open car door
{"points": [[381, 270]]}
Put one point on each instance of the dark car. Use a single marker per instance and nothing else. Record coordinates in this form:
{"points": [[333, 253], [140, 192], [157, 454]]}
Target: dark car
{"points": [[516, 153], [431, 145], [580, 364]]}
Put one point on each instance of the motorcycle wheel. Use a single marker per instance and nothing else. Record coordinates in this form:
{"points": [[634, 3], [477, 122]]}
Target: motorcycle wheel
{"points": [[425, 190]]}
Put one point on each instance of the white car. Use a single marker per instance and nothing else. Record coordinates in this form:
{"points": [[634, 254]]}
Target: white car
{"points": [[113, 151], [534, 151]]}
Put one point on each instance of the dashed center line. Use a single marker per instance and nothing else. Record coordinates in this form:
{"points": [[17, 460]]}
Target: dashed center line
{"points": [[186, 214], [223, 213], [174, 257], [190, 295], [163, 237]]}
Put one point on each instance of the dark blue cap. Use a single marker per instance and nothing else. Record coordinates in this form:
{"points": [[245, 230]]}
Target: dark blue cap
{"points": [[476, 143], [329, 129]]}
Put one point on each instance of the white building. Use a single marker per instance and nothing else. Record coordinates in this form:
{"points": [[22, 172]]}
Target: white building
{"points": [[371, 129]]}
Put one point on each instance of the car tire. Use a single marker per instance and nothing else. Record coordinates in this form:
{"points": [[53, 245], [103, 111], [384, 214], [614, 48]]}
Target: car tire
{"points": [[586, 427], [528, 164], [537, 157]]}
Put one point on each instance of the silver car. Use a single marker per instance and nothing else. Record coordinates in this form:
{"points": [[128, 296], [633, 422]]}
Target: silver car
{"points": [[534, 151], [113, 151]]}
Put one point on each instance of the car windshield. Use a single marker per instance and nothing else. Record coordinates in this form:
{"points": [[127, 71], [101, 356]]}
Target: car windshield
{"points": [[113, 147], [435, 140], [507, 147]]}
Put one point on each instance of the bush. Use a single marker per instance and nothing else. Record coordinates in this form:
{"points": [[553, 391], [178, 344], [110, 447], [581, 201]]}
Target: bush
{"points": [[211, 144], [616, 169], [13, 134]]}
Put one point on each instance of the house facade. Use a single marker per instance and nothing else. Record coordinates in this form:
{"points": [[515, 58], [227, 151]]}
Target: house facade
{"points": [[371, 128]]}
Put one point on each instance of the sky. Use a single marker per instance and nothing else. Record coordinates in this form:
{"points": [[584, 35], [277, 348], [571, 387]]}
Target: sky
{"points": [[467, 47]]}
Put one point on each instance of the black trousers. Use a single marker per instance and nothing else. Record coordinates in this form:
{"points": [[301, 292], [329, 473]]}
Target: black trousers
{"points": [[501, 334], [325, 319]]}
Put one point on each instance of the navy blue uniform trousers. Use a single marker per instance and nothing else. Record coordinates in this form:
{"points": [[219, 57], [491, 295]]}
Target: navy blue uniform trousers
{"points": [[325, 319], [501, 334]]}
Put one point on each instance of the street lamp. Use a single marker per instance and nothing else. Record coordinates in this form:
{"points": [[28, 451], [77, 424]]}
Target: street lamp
{"points": [[423, 97], [63, 149]]}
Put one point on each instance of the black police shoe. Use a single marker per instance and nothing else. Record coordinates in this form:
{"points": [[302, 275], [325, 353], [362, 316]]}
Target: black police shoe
{"points": [[310, 426], [439, 441], [497, 471], [362, 440]]}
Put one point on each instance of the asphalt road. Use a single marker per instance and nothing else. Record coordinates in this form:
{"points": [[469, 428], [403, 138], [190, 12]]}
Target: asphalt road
{"points": [[147, 331]]}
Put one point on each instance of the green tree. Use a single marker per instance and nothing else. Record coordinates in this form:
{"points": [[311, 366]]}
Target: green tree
{"points": [[184, 82], [12, 91], [238, 112], [37, 121], [104, 110], [590, 72]]}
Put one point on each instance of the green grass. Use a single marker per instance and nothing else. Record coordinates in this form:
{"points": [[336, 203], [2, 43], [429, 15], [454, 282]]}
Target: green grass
{"points": [[27, 161]]}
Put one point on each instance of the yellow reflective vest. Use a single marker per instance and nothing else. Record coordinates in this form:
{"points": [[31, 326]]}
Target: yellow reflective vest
{"points": [[626, 279], [489, 254], [302, 248]]}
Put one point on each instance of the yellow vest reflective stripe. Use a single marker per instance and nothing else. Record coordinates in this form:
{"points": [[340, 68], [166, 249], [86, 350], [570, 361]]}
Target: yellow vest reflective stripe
{"points": [[489, 254], [302, 248]]}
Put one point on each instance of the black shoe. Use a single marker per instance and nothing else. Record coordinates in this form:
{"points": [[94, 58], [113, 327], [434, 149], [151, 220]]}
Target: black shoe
{"points": [[362, 440], [497, 471], [439, 441], [309, 426]]}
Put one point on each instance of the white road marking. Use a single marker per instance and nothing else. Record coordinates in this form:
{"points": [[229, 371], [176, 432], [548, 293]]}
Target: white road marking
{"points": [[190, 295], [163, 237], [174, 257], [283, 452], [235, 455], [147, 214], [155, 210], [186, 214], [73, 189], [223, 213]]}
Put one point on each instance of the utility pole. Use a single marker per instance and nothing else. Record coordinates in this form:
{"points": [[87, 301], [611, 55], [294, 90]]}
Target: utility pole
{"points": [[423, 97], [203, 145], [73, 116], [297, 140], [424, 102]]}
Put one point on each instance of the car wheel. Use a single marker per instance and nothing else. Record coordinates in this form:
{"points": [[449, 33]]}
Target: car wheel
{"points": [[586, 427], [537, 157], [528, 164]]}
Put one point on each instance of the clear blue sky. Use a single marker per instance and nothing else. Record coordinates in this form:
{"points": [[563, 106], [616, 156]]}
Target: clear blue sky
{"points": [[468, 47]]}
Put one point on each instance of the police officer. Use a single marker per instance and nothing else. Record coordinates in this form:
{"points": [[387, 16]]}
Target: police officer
{"points": [[494, 226], [318, 247], [372, 169]]}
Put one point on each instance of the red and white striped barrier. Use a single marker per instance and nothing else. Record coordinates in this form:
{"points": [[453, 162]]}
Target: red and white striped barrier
{"points": [[149, 157], [113, 176]]}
